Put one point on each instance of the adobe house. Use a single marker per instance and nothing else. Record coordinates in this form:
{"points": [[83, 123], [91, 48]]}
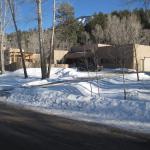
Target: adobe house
{"points": [[110, 56], [13, 58], [12, 55]]}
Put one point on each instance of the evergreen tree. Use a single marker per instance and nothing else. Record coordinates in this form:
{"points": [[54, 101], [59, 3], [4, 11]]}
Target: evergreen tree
{"points": [[67, 25], [98, 19]]}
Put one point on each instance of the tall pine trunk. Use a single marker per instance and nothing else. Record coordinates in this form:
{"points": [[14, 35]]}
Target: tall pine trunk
{"points": [[40, 32], [52, 39], [2, 24], [2, 53], [12, 10]]}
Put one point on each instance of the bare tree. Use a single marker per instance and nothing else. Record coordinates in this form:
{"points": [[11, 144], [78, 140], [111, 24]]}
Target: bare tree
{"points": [[134, 28], [52, 38], [3, 12], [13, 14], [122, 32], [85, 39], [98, 34], [115, 34], [40, 32], [96, 64], [146, 4]]}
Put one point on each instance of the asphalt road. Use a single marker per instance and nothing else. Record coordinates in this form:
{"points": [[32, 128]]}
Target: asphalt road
{"points": [[27, 130]]}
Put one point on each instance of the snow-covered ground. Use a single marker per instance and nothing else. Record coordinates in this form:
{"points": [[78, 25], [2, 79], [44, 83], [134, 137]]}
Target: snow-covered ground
{"points": [[100, 101]]}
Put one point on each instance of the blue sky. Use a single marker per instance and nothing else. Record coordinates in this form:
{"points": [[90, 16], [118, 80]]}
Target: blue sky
{"points": [[27, 19], [107, 6]]}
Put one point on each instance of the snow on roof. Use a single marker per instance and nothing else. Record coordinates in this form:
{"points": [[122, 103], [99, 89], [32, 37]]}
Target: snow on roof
{"points": [[103, 45], [16, 50]]}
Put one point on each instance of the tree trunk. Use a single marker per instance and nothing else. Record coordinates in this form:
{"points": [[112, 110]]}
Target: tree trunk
{"points": [[12, 10], [136, 60], [2, 55], [52, 39], [123, 74], [95, 58], [40, 32], [2, 24]]}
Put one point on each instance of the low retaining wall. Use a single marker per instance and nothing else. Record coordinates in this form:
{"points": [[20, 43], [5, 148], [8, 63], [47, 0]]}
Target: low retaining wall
{"points": [[60, 65]]}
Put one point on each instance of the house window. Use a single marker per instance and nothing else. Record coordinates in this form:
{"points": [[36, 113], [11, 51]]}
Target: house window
{"points": [[12, 59], [29, 60]]}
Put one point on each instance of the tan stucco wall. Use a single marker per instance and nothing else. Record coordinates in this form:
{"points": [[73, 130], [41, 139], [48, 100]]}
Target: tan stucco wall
{"points": [[143, 52], [59, 55]]}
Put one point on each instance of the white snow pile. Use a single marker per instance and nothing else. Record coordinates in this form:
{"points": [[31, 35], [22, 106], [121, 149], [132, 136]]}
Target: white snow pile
{"points": [[100, 107], [55, 73], [126, 70]]}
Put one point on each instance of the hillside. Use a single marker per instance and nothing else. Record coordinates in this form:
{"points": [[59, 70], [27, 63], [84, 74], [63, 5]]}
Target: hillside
{"points": [[82, 29]]}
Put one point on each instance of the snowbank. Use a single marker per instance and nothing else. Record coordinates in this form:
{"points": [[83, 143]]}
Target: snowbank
{"points": [[55, 73], [111, 109]]}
